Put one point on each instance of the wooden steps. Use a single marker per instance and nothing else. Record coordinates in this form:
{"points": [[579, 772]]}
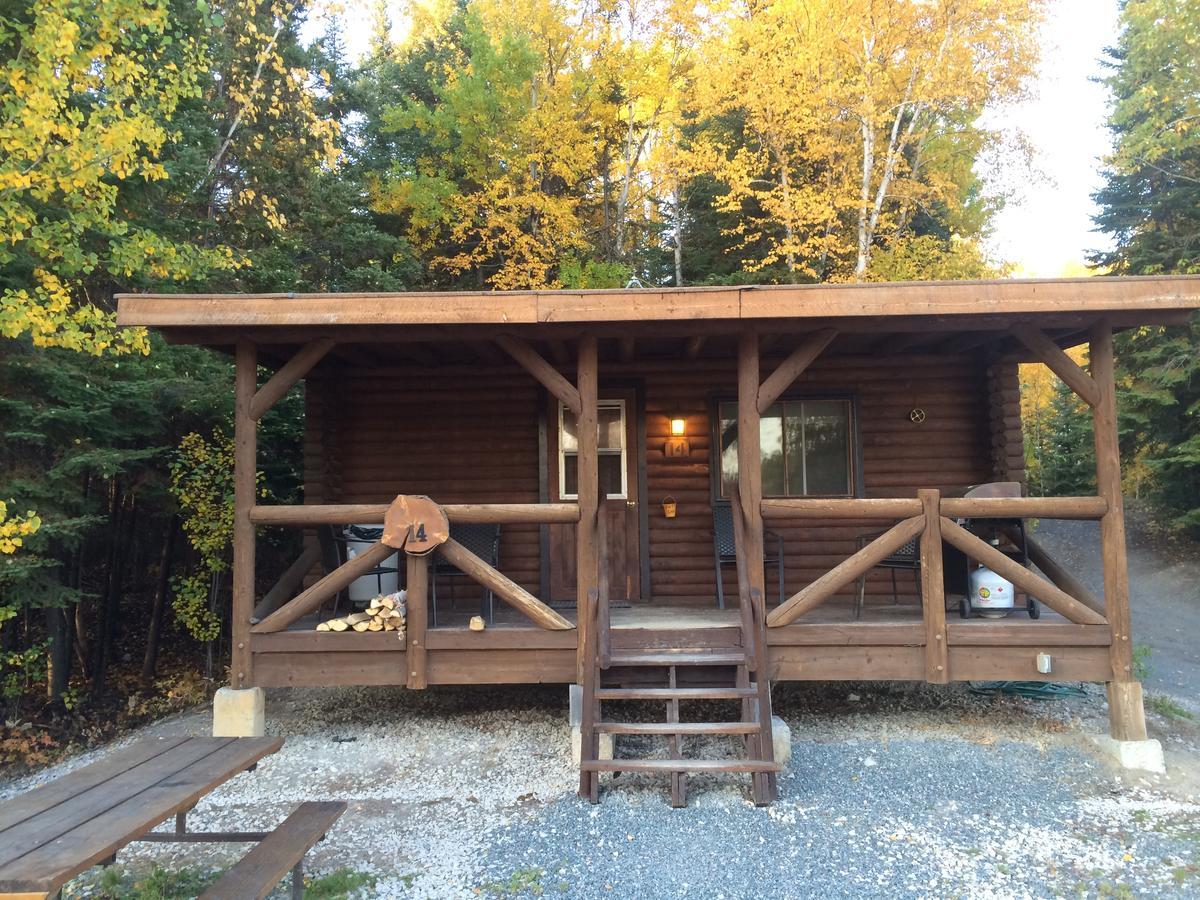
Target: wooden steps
{"points": [[676, 693], [691, 657], [679, 728], [671, 766]]}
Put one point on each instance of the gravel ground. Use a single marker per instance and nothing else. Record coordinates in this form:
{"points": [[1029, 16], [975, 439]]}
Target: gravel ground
{"points": [[892, 791]]}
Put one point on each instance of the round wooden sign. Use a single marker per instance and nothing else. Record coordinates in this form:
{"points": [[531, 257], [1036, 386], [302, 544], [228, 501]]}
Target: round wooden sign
{"points": [[415, 524]]}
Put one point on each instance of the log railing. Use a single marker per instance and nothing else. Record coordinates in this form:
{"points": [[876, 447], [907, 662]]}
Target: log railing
{"points": [[456, 554], [930, 514]]}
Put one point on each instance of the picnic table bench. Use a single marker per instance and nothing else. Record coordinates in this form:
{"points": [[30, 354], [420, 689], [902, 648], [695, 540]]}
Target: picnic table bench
{"points": [[51, 834]]}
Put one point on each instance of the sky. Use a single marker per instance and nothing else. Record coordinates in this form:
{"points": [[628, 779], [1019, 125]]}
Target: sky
{"points": [[1045, 228]]}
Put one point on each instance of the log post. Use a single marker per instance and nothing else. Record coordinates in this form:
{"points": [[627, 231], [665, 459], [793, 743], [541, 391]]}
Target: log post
{"points": [[245, 478], [933, 596], [749, 455], [1126, 715], [416, 620], [587, 553]]}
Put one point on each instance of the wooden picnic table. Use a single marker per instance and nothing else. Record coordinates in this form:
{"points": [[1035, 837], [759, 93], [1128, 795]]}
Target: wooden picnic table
{"points": [[51, 834]]}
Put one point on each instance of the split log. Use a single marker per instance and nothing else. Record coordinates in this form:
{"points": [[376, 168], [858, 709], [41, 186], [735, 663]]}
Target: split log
{"points": [[502, 586], [1031, 583], [840, 576]]}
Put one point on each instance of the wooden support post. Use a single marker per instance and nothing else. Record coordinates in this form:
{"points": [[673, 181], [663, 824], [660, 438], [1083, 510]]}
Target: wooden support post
{"points": [[587, 553], [749, 455], [533, 363], [1126, 715], [287, 376], [502, 586], [245, 478], [1059, 363], [933, 596], [338, 580], [793, 367], [417, 620], [845, 572]]}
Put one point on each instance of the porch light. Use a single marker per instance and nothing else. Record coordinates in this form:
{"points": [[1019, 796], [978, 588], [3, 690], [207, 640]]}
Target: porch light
{"points": [[678, 425]]}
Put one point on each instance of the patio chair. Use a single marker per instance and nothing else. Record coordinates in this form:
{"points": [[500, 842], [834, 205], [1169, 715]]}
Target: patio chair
{"points": [[482, 540], [907, 557], [725, 552], [334, 553]]}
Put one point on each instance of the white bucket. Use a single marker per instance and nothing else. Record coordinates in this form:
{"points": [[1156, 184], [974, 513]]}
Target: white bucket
{"points": [[991, 595], [360, 538]]}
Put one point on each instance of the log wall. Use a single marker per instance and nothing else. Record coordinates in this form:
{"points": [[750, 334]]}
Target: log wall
{"points": [[376, 433]]}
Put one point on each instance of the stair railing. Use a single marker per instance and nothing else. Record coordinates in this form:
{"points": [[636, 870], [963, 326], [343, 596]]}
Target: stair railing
{"points": [[745, 600]]}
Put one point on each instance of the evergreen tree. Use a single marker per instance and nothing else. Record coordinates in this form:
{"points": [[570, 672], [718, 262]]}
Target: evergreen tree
{"points": [[1150, 205]]}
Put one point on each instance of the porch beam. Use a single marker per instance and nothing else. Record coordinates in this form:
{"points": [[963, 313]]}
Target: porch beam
{"points": [[339, 579], [1024, 507], [845, 572], [749, 456], [1030, 582], [790, 369], [287, 376], [416, 661], [892, 508], [1127, 717], [355, 513], [1055, 572], [245, 479], [587, 553], [503, 586], [1059, 363], [933, 596], [287, 584], [533, 363]]}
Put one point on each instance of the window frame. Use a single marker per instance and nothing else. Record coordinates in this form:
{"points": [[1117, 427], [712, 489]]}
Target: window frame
{"points": [[854, 451], [621, 452]]}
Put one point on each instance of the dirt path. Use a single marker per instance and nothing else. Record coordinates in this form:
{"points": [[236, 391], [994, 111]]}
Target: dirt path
{"points": [[1164, 578]]}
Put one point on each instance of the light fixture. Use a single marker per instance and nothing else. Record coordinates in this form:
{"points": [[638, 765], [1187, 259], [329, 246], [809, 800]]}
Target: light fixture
{"points": [[677, 445]]}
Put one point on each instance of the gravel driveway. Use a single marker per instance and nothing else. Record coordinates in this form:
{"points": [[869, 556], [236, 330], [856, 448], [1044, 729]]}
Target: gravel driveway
{"points": [[1164, 596], [892, 791]]}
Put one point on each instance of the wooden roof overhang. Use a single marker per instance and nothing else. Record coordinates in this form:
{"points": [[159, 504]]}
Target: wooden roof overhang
{"points": [[877, 318]]}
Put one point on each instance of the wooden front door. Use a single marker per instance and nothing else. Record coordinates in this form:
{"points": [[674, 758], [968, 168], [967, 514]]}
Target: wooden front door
{"points": [[620, 551]]}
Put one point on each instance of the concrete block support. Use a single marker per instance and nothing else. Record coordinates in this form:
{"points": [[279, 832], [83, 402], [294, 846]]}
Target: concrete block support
{"points": [[1142, 756], [239, 712], [781, 739]]}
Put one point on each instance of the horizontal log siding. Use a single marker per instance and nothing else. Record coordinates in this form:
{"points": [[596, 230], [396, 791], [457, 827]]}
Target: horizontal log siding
{"points": [[1008, 442], [457, 439], [949, 451]]}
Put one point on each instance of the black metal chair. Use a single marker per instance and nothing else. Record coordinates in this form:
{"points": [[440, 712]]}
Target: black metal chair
{"points": [[482, 540], [725, 549], [334, 553], [907, 557]]}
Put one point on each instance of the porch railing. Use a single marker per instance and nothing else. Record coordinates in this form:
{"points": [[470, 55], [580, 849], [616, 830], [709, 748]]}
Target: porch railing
{"points": [[930, 514], [280, 615]]}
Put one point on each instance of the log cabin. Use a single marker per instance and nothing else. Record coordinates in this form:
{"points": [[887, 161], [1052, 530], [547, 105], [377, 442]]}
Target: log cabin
{"points": [[691, 493]]}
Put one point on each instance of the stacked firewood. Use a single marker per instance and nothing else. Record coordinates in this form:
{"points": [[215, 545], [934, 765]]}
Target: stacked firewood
{"points": [[383, 613]]}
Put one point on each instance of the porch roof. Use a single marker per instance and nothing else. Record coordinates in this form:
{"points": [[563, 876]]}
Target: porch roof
{"points": [[1128, 300]]}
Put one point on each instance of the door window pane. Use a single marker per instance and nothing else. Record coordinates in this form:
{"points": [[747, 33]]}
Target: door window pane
{"points": [[611, 421], [610, 431]]}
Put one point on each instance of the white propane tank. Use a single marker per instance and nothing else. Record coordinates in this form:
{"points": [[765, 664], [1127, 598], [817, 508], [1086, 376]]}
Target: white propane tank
{"points": [[991, 595], [360, 538]]}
